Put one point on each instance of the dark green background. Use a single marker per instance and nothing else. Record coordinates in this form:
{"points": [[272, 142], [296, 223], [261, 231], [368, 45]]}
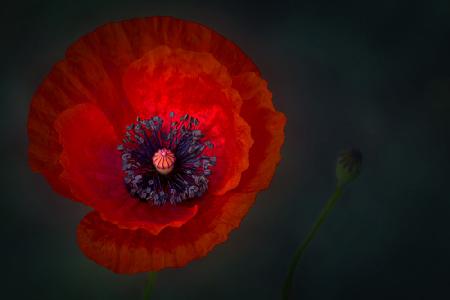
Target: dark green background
{"points": [[374, 74]]}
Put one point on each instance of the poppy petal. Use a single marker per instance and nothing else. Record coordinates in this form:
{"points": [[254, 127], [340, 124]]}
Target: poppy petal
{"points": [[92, 169], [144, 34], [80, 78], [267, 131], [180, 81], [53, 96], [133, 251]]}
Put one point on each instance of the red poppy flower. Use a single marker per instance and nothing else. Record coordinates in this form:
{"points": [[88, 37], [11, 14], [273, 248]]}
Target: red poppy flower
{"points": [[166, 129]]}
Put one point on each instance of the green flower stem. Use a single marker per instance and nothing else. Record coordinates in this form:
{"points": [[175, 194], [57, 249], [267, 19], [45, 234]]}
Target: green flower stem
{"points": [[150, 285], [312, 233]]}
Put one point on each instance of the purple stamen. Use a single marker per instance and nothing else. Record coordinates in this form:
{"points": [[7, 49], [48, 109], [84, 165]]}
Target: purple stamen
{"points": [[188, 177]]}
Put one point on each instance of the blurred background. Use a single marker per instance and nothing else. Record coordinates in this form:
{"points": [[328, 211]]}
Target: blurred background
{"points": [[370, 74]]}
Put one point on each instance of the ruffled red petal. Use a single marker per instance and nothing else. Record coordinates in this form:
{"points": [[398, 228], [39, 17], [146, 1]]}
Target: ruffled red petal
{"points": [[147, 33], [132, 251], [267, 131], [180, 81], [92, 169], [67, 85], [52, 97]]}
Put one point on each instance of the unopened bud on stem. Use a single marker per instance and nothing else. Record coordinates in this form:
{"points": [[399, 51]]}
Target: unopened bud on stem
{"points": [[348, 166]]}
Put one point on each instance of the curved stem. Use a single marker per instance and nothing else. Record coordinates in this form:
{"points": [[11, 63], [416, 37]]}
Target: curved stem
{"points": [[312, 233], [150, 285]]}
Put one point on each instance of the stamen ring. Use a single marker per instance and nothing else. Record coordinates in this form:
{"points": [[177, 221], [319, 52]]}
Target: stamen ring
{"points": [[166, 163]]}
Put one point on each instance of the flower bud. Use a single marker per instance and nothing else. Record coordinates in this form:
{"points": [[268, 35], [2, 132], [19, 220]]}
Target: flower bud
{"points": [[348, 166]]}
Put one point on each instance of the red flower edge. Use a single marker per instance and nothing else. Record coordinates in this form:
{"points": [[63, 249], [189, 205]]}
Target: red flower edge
{"points": [[79, 113]]}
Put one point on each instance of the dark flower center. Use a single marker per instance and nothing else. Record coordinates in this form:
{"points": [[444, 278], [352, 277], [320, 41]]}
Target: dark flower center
{"points": [[166, 163]]}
